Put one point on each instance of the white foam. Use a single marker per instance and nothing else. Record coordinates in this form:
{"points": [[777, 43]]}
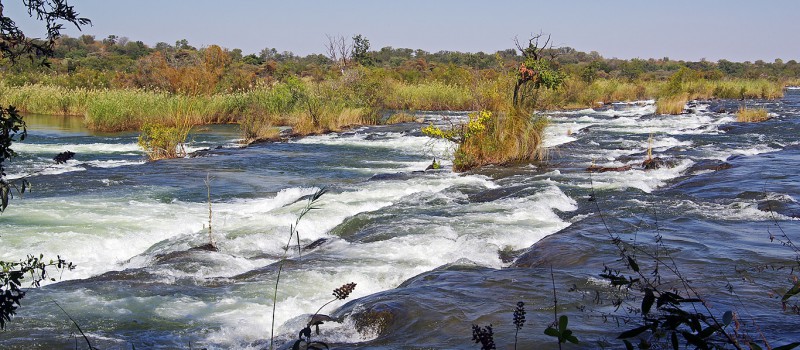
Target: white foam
{"points": [[735, 211], [644, 180], [397, 141], [88, 148], [713, 152], [476, 232]]}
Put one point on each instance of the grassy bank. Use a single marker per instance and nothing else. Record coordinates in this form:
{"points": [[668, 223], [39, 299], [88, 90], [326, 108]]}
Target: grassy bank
{"points": [[353, 99]]}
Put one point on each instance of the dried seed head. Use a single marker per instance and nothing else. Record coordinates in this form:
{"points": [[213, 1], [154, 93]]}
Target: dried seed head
{"points": [[519, 315], [344, 291]]}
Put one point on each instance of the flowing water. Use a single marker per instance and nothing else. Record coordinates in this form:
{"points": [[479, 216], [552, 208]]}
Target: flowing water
{"points": [[422, 246]]}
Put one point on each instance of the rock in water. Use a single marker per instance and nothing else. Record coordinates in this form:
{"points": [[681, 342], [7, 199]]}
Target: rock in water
{"points": [[63, 157]]}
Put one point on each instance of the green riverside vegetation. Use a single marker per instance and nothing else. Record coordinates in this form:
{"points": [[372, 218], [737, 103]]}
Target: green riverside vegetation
{"points": [[116, 84]]}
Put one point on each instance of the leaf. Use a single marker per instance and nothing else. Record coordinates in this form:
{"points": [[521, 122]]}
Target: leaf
{"points": [[787, 346], [648, 300], [634, 265], [552, 332], [727, 318], [572, 339], [562, 323], [628, 345], [633, 332], [708, 331], [792, 292], [754, 346]]}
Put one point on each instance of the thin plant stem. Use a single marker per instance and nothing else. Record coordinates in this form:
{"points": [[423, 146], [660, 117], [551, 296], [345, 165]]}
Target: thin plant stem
{"points": [[76, 326], [208, 192], [292, 232], [555, 303]]}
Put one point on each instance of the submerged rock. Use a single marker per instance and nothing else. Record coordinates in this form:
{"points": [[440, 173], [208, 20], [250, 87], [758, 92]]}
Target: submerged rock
{"points": [[556, 252], [316, 244], [392, 176], [494, 194], [203, 152], [374, 320], [599, 169], [208, 247], [509, 255], [710, 164]]}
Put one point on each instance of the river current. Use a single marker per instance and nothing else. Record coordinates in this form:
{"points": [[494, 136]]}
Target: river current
{"points": [[432, 252]]}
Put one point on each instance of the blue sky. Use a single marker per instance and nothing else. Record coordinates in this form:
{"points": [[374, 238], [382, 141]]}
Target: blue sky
{"points": [[689, 30]]}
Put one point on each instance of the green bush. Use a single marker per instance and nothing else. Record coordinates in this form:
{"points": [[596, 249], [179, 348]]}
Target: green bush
{"points": [[163, 142]]}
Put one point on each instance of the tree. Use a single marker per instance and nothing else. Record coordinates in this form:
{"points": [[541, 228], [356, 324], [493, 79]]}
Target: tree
{"points": [[14, 44], [339, 51], [535, 72], [361, 50]]}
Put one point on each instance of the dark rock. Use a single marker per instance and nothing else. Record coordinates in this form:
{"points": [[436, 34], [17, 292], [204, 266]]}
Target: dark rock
{"points": [[599, 169], [208, 247], [375, 320], [785, 208], [657, 163], [316, 244], [204, 152], [508, 255], [394, 176], [63, 157], [752, 195], [496, 193], [556, 252], [710, 164]]}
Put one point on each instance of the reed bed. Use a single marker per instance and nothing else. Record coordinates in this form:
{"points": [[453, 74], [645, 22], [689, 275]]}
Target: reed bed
{"points": [[353, 99]]}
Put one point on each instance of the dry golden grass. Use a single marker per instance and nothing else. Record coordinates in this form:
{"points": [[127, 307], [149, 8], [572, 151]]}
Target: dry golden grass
{"points": [[671, 104], [751, 115], [401, 117]]}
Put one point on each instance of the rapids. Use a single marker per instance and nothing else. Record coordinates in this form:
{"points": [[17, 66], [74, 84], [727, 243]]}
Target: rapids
{"points": [[423, 246]]}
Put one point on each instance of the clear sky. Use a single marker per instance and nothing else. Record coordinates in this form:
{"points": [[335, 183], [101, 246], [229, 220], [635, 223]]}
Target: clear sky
{"points": [[736, 30]]}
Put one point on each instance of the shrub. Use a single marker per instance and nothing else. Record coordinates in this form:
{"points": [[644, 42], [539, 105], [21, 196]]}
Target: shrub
{"points": [[163, 142], [490, 138]]}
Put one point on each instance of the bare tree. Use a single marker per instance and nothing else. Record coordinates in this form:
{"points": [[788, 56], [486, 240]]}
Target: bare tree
{"points": [[339, 50]]}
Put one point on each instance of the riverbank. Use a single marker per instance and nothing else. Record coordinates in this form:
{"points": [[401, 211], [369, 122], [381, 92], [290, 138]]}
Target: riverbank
{"points": [[315, 107]]}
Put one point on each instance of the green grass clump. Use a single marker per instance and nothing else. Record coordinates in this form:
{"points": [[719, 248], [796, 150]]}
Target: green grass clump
{"points": [[751, 115]]}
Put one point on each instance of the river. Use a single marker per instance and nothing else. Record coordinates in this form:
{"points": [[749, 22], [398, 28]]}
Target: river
{"points": [[422, 246]]}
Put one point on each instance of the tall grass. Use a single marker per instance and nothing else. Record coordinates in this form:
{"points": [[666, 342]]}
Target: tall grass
{"points": [[494, 138], [671, 104], [751, 115], [431, 96], [351, 99]]}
